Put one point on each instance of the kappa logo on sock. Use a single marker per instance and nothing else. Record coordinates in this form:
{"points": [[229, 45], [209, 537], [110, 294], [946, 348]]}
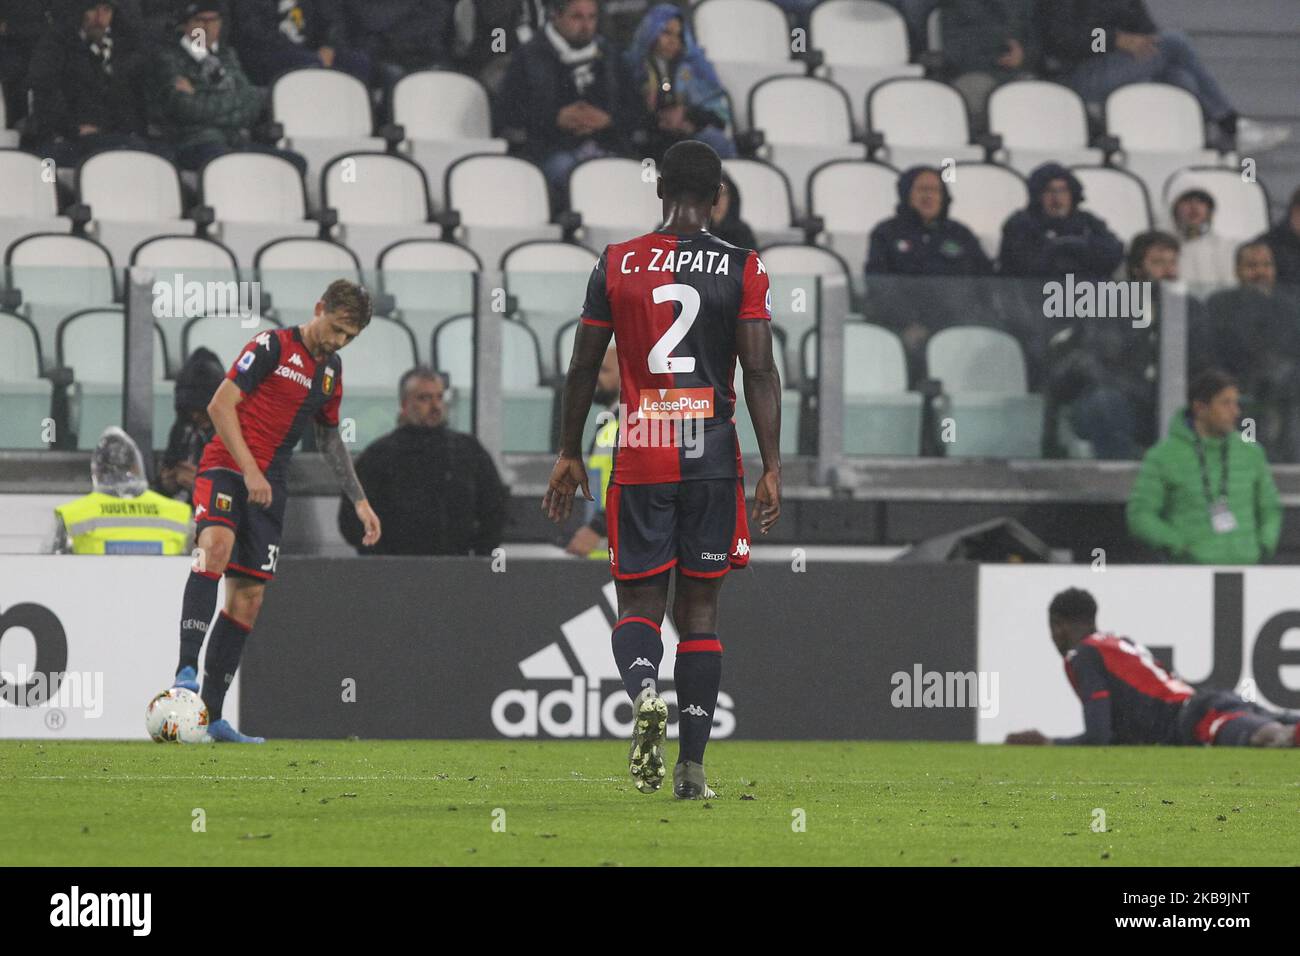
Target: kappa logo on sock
{"points": [[695, 710], [559, 699]]}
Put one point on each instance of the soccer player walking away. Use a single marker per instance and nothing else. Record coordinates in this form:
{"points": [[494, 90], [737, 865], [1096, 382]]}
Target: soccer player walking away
{"points": [[682, 305], [1128, 698], [282, 380]]}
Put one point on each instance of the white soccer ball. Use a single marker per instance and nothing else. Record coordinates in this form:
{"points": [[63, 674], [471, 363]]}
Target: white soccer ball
{"points": [[177, 715]]}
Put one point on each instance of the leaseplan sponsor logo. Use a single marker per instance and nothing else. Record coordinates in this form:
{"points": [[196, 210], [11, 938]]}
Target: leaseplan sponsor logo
{"points": [[560, 700]]}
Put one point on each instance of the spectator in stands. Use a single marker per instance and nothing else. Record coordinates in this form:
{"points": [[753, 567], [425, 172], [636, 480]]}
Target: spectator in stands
{"points": [[684, 97], [1254, 334], [196, 383], [987, 43], [121, 515], [1053, 236], [1136, 50], [1284, 240], [276, 36], [725, 221], [920, 240], [1204, 495], [483, 51], [1102, 371], [437, 489], [1207, 257], [567, 95], [85, 82], [586, 540], [21, 24], [202, 100], [401, 36]]}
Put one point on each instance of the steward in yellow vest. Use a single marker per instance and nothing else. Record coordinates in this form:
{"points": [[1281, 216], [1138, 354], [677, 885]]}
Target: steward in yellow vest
{"points": [[121, 516]]}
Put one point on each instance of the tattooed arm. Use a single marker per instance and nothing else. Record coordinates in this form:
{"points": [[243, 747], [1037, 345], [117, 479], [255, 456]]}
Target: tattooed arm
{"points": [[336, 453]]}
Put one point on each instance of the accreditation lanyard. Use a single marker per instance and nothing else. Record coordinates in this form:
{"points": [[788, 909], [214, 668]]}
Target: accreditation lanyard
{"points": [[1221, 518]]}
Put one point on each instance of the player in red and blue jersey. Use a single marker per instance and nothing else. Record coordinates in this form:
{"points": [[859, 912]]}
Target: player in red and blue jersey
{"points": [[683, 305], [281, 381], [1129, 698]]}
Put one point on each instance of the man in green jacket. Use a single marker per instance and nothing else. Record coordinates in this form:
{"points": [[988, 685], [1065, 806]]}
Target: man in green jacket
{"points": [[201, 100], [1205, 495]]}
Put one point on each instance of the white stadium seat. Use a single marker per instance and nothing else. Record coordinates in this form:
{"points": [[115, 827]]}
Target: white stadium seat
{"points": [[8, 137], [133, 195], [982, 372], [744, 57], [502, 201], [324, 113], [1161, 129], [24, 395], [864, 42], [790, 402], [255, 197], [192, 259], [797, 300], [881, 417], [923, 122], [295, 272], [766, 204], [805, 123], [445, 116], [1240, 207], [91, 343], [615, 200], [983, 196], [548, 280], [430, 281], [527, 404], [1117, 197], [58, 275], [852, 198], [1041, 122], [29, 201], [372, 366], [379, 199], [224, 335]]}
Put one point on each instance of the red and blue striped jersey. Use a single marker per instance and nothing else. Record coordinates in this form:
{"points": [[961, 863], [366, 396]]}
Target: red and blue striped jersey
{"points": [[284, 388], [674, 303], [1145, 699]]}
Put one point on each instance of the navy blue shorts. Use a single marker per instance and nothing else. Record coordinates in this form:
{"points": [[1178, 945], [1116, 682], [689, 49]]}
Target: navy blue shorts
{"points": [[697, 526], [221, 500], [1222, 718]]}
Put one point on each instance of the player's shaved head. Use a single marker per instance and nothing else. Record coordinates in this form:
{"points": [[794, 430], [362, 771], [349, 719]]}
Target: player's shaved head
{"points": [[1074, 604], [692, 171]]}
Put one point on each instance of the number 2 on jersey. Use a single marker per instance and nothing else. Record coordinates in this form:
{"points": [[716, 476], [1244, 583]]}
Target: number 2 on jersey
{"points": [[659, 360]]}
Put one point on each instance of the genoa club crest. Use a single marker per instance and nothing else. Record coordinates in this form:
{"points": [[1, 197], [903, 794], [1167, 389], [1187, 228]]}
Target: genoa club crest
{"points": [[223, 502], [327, 383]]}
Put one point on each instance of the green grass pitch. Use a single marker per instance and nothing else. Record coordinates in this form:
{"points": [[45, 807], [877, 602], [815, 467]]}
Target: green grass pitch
{"points": [[571, 803]]}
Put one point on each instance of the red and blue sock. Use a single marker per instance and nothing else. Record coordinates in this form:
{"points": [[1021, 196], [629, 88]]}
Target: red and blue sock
{"points": [[638, 650]]}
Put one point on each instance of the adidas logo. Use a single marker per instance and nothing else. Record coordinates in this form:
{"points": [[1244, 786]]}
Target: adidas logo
{"points": [[585, 705], [695, 710], [295, 359]]}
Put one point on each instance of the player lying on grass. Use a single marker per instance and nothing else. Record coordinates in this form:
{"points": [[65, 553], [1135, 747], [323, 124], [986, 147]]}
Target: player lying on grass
{"points": [[683, 306], [1128, 698], [282, 380]]}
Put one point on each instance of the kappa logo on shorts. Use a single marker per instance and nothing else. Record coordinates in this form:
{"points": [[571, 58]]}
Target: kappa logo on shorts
{"points": [[742, 547], [199, 509], [223, 501], [712, 556]]}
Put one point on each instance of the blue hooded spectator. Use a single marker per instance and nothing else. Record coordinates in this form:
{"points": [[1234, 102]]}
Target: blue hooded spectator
{"points": [[683, 95], [1052, 236]]}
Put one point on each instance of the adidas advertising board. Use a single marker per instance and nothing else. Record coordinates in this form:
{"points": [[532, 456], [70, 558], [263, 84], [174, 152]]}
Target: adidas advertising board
{"points": [[389, 647]]}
